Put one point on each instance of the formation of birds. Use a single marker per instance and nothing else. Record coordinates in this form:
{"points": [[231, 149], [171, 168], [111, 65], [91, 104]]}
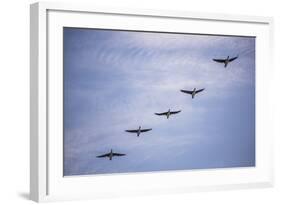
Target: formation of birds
{"points": [[193, 92]]}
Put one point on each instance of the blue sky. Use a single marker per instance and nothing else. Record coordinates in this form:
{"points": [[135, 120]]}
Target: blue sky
{"points": [[117, 80]]}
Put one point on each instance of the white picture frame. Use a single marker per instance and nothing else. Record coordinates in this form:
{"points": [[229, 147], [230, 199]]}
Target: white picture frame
{"points": [[46, 180]]}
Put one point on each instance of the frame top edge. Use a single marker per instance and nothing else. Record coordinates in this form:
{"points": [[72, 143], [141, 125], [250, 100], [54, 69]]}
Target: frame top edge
{"points": [[90, 7]]}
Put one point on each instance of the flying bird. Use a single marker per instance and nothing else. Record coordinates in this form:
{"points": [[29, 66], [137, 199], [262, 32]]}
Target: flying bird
{"points": [[111, 154], [168, 113], [226, 61], [138, 131], [193, 92]]}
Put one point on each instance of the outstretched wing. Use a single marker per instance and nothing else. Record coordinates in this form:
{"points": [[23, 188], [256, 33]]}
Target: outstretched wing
{"points": [[198, 91], [175, 112], [133, 131], [163, 113], [232, 59], [118, 154], [219, 60], [187, 91], [104, 155], [145, 130]]}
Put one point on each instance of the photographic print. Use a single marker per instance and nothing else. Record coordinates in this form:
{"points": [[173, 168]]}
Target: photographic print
{"points": [[143, 101]]}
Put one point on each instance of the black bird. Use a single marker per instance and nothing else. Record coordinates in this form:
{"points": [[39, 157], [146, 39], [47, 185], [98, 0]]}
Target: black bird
{"points": [[226, 61], [110, 155], [138, 131], [193, 92], [168, 113]]}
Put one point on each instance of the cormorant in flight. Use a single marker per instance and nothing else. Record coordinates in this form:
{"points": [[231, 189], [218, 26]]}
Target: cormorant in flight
{"points": [[168, 113], [138, 131], [225, 61], [193, 92], [111, 154]]}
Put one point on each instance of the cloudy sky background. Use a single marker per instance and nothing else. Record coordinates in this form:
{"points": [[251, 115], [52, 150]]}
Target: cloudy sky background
{"points": [[117, 80]]}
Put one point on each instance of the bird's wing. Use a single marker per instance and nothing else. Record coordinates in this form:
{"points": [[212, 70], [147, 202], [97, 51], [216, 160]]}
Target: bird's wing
{"points": [[133, 131], [198, 91], [145, 130], [175, 112], [163, 113], [232, 59], [118, 154], [104, 155], [187, 91], [219, 60]]}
